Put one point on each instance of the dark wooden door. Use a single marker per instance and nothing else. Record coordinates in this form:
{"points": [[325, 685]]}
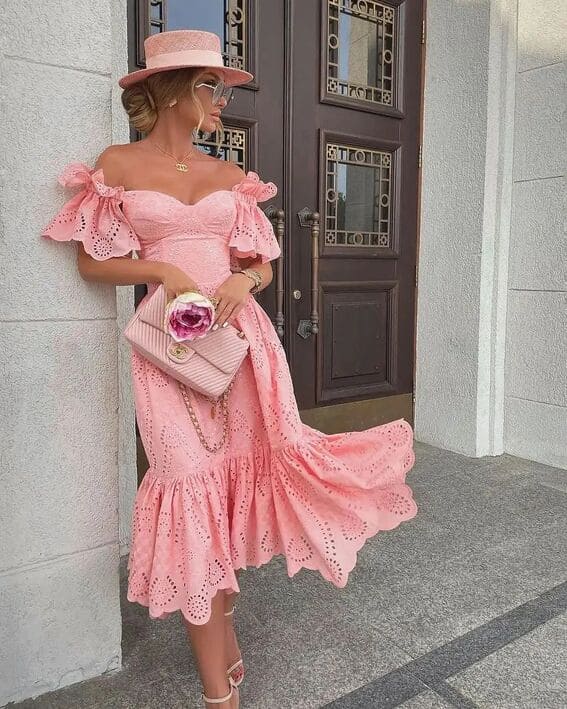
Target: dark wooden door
{"points": [[354, 127], [333, 117]]}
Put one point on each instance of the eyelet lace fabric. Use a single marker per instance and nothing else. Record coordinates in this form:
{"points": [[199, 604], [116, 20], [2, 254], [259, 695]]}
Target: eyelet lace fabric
{"points": [[252, 233], [93, 215], [278, 486]]}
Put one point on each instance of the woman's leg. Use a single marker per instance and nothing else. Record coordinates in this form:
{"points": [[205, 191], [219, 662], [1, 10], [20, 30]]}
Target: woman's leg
{"points": [[229, 600], [209, 650], [231, 642]]}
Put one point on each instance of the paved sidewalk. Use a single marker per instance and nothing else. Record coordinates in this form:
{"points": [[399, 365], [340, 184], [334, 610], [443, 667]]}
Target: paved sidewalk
{"points": [[463, 606]]}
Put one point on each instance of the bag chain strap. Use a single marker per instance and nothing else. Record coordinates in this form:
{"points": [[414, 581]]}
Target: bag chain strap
{"points": [[193, 416], [223, 398]]}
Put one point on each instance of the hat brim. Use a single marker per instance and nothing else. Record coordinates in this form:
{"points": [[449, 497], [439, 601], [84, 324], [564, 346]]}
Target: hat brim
{"points": [[232, 77]]}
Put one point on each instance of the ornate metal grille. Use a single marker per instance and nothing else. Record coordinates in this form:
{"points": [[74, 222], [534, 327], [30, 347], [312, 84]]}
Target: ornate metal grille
{"points": [[361, 39], [236, 52], [159, 15], [233, 147], [357, 197]]}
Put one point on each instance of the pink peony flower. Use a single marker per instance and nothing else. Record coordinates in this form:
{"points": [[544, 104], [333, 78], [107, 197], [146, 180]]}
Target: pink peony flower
{"points": [[189, 316]]}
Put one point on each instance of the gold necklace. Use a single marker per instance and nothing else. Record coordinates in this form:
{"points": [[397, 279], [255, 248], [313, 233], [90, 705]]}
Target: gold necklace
{"points": [[179, 164]]}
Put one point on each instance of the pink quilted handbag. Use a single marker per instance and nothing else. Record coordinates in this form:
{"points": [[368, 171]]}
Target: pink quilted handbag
{"points": [[207, 364]]}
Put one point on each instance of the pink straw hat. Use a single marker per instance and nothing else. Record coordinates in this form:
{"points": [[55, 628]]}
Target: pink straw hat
{"points": [[177, 49]]}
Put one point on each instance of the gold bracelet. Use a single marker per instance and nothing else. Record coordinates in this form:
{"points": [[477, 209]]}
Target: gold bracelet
{"points": [[256, 276], [249, 276]]}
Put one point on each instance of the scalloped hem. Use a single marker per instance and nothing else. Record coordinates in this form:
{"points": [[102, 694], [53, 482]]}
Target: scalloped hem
{"points": [[316, 502]]}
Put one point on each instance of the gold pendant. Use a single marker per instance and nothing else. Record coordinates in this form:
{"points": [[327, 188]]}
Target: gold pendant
{"points": [[213, 411], [181, 166]]}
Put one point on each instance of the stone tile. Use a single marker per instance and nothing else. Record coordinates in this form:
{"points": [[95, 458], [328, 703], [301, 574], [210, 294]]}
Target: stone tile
{"points": [[539, 127], [427, 700], [555, 598], [481, 509], [536, 331], [529, 472], [34, 25], [81, 100], [304, 636], [61, 624], [542, 33], [538, 248], [465, 560], [431, 460], [60, 382], [385, 693], [421, 609], [435, 667], [536, 430], [526, 674], [153, 690]]}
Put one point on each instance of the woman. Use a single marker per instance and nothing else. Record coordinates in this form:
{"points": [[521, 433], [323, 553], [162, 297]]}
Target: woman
{"points": [[209, 506]]}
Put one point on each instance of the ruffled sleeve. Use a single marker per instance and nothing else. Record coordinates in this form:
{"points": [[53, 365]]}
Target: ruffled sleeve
{"points": [[252, 233], [93, 215]]}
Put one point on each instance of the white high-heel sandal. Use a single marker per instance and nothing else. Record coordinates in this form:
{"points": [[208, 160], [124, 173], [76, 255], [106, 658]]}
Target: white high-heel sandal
{"points": [[219, 700], [236, 674]]}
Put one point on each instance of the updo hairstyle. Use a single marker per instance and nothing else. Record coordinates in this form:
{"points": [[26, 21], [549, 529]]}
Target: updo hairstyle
{"points": [[143, 100]]}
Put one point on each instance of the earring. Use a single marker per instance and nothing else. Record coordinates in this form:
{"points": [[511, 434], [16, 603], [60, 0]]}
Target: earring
{"points": [[172, 103]]}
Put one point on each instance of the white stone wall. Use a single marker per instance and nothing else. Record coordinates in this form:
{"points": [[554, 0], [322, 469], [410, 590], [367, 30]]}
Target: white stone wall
{"points": [[59, 547], [536, 352], [450, 260], [492, 315]]}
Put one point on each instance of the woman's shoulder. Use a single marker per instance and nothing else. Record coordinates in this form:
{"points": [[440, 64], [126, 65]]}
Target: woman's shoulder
{"points": [[250, 186], [234, 172], [114, 161]]}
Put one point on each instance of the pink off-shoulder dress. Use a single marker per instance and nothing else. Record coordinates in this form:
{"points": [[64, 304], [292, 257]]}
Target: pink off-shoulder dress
{"points": [[277, 486]]}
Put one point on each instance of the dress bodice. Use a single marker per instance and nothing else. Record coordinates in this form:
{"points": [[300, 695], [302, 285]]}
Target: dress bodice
{"points": [[200, 238], [194, 237]]}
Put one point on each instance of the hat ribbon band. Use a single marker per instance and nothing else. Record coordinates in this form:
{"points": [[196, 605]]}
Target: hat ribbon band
{"points": [[191, 57]]}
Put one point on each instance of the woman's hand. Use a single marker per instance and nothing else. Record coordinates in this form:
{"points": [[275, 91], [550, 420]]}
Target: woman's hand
{"points": [[175, 280], [232, 295]]}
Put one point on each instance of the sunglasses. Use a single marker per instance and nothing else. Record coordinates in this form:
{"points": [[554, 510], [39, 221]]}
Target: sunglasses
{"points": [[220, 90]]}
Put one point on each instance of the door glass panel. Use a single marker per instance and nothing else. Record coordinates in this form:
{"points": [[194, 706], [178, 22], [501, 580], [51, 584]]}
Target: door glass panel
{"points": [[227, 18], [156, 10], [361, 50], [357, 204], [156, 16], [233, 146], [181, 15]]}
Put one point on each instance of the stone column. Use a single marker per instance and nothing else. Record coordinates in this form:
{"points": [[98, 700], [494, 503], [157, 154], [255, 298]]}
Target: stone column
{"points": [[59, 547]]}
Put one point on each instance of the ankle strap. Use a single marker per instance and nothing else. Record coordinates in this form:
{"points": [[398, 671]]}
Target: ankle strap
{"points": [[221, 699], [231, 611]]}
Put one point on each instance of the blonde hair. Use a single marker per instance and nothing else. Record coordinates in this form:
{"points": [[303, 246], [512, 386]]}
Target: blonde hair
{"points": [[145, 99]]}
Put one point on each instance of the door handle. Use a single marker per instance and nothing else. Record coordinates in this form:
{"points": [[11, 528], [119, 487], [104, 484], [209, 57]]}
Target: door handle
{"points": [[278, 216], [310, 219]]}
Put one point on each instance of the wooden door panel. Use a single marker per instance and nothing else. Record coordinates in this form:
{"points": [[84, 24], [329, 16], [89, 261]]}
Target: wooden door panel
{"points": [[355, 146], [355, 313]]}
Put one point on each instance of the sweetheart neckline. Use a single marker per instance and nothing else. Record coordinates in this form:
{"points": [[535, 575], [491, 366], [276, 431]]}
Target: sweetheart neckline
{"points": [[175, 199]]}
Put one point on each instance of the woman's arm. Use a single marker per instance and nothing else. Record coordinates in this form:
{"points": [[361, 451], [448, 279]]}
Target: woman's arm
{"points": [[265, 269], [125, 270], [121, 271]]}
